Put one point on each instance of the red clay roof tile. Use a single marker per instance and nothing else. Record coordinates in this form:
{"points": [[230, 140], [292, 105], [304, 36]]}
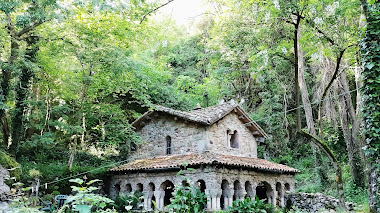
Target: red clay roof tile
{"points": [[206, 158]]}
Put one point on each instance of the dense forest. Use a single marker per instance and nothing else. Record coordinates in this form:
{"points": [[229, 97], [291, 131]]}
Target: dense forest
{"points": [[76, 73]]}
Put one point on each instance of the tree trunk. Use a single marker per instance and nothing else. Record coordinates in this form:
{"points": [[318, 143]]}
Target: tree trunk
{"points": [[338, 170], [348, 118], [72, 152], [6, 75], [322, 175], [22, 94]]}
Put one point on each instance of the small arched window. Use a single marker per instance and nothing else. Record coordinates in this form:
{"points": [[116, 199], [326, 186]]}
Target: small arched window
{"points": [[234, 141], [169, 148]]}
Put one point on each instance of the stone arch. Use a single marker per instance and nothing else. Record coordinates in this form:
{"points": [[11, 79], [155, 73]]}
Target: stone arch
{"points": [[238, 192], [287, 187], [201, 185], [128, 188], [168, 188], [139, 187], [224, 198], [279, 194], [249, 189], [150, 195], [264, 192]]}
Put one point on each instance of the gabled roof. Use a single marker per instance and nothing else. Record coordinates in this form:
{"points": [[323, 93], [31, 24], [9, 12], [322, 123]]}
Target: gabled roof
{"points": [[206, 116], [206, 158]]}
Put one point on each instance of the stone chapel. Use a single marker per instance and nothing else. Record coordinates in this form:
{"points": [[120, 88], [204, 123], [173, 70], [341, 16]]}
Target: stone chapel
{"points": [[218, 142]]}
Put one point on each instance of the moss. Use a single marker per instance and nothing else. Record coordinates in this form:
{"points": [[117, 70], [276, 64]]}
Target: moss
{"points": [[8, 162]]}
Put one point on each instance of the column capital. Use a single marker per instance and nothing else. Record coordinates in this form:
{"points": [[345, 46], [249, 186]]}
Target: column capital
{"points": [[159, 194], [214, 192]]}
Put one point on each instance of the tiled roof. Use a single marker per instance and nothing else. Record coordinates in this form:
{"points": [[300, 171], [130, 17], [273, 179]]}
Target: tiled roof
{"points": [[207, 116], [206, 158]]}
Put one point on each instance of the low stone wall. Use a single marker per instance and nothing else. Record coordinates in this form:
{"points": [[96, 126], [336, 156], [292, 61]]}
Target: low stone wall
{"points": [[309, 202], [3, 175]]}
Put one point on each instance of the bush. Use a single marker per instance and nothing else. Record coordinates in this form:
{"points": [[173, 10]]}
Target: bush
{"points": [[9, 163], [187, 199], [130, 201], [249, 205]]}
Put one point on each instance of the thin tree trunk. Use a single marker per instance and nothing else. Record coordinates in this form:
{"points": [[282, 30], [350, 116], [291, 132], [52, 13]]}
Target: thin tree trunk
{"points": [[72, 152], [322, 175], [348, 118]]}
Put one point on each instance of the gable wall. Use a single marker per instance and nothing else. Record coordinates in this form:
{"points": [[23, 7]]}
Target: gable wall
{"points": [[185, 136], [217, 135]]}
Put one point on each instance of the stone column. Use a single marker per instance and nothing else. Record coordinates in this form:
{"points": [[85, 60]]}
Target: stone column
{"points": [[214, 199], [218, 196], [148, 195], [274, 195], [228, 198], [209, 201], [239, 194], [160, 199]]}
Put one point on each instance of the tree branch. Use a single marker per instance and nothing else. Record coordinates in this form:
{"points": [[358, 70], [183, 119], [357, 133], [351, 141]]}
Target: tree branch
{"points": [[154, 10], [335, 75], [30, 28], [319, 31]]}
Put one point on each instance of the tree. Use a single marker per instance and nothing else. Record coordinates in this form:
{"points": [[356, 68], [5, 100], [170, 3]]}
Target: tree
{"points": [[21, 20]]}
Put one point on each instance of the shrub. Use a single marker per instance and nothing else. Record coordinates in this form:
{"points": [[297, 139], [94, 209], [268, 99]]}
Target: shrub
{"points": [[130, 201], [248, 205], [187, 199], [9, 163]]}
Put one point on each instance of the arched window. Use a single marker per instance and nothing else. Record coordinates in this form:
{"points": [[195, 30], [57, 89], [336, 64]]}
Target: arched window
{"points": [[169, 148], [234, 142]]}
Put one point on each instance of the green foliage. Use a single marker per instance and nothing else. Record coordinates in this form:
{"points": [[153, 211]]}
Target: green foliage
{"points": [[85, 198], [127, 202], [370, 48], [187, 199], [248, 205], [8, 162]]}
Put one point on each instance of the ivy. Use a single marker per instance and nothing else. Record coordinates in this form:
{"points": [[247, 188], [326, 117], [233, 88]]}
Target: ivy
{"points": [[371, 96]]}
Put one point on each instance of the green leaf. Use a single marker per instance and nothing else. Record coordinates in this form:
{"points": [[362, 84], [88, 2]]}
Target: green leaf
{"points": [[83, 208]]}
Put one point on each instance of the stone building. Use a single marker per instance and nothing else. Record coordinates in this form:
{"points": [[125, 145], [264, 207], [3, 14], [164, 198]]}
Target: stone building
{"points": [[219, 142]]}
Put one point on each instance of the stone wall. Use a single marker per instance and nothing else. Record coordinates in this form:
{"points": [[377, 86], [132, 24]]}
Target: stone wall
{"points": [[4, 173], [189, 137], [186, 137], [219, 139], [309, 202]]}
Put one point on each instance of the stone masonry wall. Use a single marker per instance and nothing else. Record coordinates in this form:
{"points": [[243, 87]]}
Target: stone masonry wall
{"points": [[4, 188], [219, 143], [309, 202], [186, 137]]}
